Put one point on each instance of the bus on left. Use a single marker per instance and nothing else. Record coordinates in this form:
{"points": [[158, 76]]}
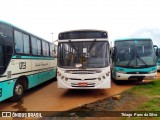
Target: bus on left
{"points": [[25, 61]]}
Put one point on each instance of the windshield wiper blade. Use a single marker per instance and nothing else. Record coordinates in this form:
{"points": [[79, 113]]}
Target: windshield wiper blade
{"points": [[73, 45], [130, 60], [141, 60], [93, 43]]}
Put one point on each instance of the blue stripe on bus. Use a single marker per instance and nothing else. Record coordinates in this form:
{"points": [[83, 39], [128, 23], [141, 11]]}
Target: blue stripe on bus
{"points": [[136, 70], [36, 79], [32, 57]]}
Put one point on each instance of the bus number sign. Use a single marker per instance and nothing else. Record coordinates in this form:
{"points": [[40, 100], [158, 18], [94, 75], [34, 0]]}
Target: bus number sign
{"points": [[22, 65]]}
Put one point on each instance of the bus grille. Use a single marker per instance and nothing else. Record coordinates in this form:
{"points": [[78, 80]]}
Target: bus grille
{"points": [[83, 71], [90, 79], [74, 79], [82, 79], [137, 72]]}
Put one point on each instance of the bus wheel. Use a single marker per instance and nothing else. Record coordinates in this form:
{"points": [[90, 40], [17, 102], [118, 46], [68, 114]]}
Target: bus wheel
{"points": [[18, 92]]}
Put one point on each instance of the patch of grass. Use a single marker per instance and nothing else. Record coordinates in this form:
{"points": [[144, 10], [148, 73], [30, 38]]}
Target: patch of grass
{"points": [[152, 105], [150, 89]]}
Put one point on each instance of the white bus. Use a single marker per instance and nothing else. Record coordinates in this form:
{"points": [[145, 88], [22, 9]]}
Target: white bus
{"points": [[25, 61], [83, 60]]}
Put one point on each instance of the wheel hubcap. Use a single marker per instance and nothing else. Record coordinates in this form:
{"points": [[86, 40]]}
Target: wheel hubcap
{"points": [[19, 89]]}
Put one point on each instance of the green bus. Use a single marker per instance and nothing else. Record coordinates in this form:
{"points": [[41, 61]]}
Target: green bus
{"points": [[134, 59]]}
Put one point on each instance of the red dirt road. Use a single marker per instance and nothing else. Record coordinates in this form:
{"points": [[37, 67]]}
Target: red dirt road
{"points": [[47, 97]]}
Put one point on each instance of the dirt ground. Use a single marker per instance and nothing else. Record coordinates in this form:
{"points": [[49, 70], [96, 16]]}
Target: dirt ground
{"points": [[47, 97], [106, 107]]}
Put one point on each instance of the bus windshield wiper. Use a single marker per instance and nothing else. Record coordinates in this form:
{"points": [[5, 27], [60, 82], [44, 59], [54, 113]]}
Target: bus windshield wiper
{"points": [[130, 60], [141, 59], [137, 56], [73, 45], [93, 43]]}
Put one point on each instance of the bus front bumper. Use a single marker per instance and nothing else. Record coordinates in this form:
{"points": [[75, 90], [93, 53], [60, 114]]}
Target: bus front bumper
{"points": [[123, 76]]}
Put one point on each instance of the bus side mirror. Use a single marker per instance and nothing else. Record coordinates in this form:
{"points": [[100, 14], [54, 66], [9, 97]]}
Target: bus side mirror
{"points": [[54, 53], [113, 54], [156, 50]]}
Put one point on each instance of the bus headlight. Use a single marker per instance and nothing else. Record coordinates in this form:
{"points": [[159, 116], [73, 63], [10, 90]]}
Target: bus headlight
{"points": [[154, 71], [66, 79], [107, 74], [103, 77], [99, 78], [62, 77], [59, 74]]}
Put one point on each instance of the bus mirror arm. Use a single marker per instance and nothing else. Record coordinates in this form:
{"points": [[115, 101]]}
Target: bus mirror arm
{"points": [[113, 53], [156, 48]]}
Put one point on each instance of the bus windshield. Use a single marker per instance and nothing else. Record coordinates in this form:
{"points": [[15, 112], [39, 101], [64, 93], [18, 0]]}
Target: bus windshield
{"points": [[5, 33], [135, 53], [93, 54]]}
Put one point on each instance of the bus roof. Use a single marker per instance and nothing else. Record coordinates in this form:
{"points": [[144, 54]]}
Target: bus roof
{"points": [[9, 24], [82, 34], [79, 30], [127, 39]]}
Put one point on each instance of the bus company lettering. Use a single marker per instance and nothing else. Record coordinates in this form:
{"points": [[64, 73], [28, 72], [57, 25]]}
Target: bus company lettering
{"points": [[41, 64], [22, 65], [44, 64]]}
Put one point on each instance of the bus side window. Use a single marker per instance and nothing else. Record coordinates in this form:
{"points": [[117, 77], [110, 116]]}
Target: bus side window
{"points": [[18, 42]]}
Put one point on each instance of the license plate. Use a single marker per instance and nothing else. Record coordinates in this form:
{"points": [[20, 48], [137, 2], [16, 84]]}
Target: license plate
{"points": [[149, 77], [82, 84]]}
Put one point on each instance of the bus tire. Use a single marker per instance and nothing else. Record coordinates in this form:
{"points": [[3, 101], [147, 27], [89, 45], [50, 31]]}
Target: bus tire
{"points": [[18, 92], [118, 82]]}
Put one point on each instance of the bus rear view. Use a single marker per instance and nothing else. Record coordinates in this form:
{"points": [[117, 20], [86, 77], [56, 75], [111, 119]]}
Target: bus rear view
{"points": [[83, 60], [134, 59]]}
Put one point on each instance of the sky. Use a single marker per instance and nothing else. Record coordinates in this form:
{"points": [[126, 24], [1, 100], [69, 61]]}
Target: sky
{"points": [[121, 18]]}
